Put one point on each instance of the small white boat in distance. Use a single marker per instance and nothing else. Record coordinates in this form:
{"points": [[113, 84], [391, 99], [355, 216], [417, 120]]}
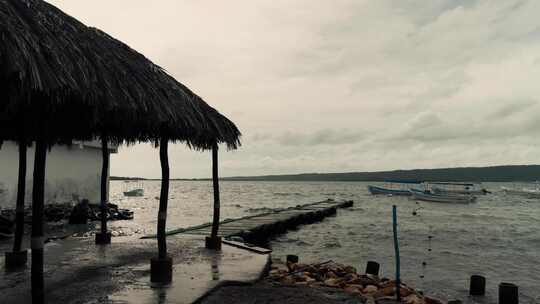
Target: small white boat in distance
{"points": [[133, 189], [428, 196], [449, 188], [525, 192], [134, 192]]}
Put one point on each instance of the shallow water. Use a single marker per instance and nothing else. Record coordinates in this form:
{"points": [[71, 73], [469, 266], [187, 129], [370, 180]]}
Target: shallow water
{"points": [[496, 237]]}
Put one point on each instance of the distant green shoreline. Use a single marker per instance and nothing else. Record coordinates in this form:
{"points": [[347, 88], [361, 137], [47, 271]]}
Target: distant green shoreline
{"points": [[510, 173]]}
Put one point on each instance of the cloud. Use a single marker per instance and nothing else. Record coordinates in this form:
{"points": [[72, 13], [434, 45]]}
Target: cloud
{"points": [[344, 85], [321, 137], [510, 109], [425, 120]]}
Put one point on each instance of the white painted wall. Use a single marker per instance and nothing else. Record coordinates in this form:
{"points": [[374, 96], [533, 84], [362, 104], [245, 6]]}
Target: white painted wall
{"points": [[70, 170]]}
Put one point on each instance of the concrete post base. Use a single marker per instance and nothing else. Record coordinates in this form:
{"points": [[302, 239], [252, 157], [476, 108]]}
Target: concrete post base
{"points": [[16, 259], [213, 243], [161, 270], [103, 239]]}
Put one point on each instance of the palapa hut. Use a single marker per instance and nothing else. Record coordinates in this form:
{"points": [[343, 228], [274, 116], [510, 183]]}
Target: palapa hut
{"points": [[62, 81]]}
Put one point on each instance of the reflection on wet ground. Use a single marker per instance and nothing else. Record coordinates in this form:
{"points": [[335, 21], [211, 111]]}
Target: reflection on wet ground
{"points": [[77, 271]]}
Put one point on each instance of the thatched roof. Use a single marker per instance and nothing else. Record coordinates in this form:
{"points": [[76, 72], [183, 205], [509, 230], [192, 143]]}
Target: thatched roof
{"points": [[86, 83]]}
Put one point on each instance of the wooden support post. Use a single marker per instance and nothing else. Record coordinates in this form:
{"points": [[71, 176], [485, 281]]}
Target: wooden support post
{"points": [[291, 262], [104, 236], [37, 242], [163, 199], [396, 248], [372, 267], [161, 267], [18, 258], [21, 190], [508, 293], [215, 181], [214, 241], [292, 258], [477, 285]]}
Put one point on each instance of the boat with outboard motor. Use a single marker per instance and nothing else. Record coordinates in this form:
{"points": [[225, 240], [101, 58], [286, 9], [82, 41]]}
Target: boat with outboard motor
{"points": [[133, 189], [429, 196], [394, 187], [449, 188], [525, 192]]}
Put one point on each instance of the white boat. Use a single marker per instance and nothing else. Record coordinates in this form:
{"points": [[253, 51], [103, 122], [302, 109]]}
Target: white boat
{"points": [[394, 187], [526, 192], [133, 189], [446, 188], [134, 192], [439, 198]]}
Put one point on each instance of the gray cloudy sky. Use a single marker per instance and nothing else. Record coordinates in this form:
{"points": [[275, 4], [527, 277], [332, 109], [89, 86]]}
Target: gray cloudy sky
{"points": [[331, 86]]}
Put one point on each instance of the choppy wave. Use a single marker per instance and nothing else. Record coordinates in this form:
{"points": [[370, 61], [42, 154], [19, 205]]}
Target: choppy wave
{"points": [[262, 210], [332, 245], [497, 236], [288, 194]]}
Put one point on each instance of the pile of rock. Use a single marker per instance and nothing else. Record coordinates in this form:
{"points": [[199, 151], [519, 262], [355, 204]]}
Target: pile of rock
{"points": [[6, 227], [113, 212], [84, 211], [78, 214], [369, 287], [51, 212]]}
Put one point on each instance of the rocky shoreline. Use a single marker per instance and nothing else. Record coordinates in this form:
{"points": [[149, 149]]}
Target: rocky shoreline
{"points": [[327, 282], [367, 288]]}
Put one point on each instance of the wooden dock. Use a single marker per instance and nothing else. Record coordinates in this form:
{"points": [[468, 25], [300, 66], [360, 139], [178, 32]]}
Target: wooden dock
{"points": [[259, 228]]}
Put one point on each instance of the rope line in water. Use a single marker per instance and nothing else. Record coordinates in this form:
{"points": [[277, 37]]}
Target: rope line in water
{"points": [[427, 256]]}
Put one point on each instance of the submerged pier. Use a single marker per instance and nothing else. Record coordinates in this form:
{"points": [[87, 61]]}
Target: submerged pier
{"points": [[259, 228]]}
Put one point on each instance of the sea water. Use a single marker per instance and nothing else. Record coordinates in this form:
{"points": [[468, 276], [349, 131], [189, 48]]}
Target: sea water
{"points": [[441, 245]]}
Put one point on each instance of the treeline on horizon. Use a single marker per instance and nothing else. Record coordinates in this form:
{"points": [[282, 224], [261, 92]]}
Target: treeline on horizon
{"points": [[127, 178], [526, 173]]}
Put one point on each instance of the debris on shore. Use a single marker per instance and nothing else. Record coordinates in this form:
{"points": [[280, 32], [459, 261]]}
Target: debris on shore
{"points": [[369, 288], [6, 227], [60, 216], [59, 212]]}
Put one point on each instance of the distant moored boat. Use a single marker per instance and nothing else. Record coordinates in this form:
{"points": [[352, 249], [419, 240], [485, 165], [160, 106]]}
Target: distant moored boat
{"points": [[394, 187], [525, 192], [439, 198], [457, 188], [133, 190]]}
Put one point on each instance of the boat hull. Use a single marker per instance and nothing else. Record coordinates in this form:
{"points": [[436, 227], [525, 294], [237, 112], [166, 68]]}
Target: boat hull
{"points": [[379, 190], [437, 198], [524, 193], [458, 192], [135, 192]]}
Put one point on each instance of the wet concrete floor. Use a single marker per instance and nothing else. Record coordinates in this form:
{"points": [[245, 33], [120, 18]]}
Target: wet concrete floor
{"points": [[77, 271]]}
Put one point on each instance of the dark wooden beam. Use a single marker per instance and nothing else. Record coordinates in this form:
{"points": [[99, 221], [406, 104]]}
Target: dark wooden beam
{"points": [[18, 258], [104, 174], [37, 241], [161, 267], [104, 237], [163, 198], [21, 191], [215, 181]]}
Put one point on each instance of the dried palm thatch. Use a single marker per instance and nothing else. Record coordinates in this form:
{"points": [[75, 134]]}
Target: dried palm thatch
{"points": [[63, 80], [187, 114]]}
